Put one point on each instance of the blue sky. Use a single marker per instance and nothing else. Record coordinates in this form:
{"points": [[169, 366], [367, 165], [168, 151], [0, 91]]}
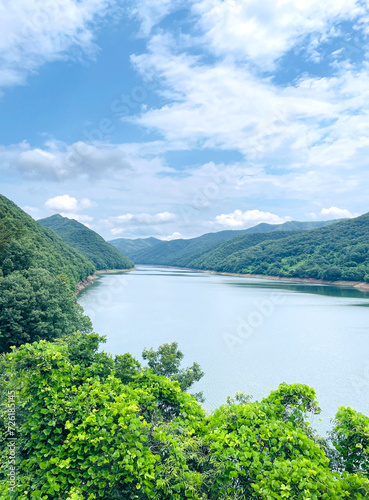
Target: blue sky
{"points": [[169, 118]]}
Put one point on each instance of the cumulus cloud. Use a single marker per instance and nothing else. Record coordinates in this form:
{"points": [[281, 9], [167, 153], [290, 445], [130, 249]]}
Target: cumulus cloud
{"points": [[239, 219], [264, 31], [119, 223], [33, 32], [68, 204], [336, 213], [58, 161]]}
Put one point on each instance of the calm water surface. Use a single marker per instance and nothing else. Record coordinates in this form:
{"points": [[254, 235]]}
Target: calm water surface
{"points": [[247, 334]]}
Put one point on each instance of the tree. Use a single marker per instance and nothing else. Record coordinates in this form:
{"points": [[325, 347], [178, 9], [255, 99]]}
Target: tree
{"points": [[35, 305], [166, 362], [350, 437]]}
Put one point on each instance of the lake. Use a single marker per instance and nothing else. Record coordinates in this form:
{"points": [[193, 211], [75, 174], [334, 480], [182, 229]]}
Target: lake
{"points": [[247, 334]]}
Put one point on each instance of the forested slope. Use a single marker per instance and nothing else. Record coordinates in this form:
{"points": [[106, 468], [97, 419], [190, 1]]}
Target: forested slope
{"points": [[87, 242], [182, 253], [336, 252], [25, 244], [38, 275]]}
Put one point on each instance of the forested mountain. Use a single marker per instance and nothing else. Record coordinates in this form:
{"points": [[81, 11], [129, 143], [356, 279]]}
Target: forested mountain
{"points": [[38, 275], [215, 259], [336, 252], [87, 242], [131, 248], [25, 244], [181, 253]]}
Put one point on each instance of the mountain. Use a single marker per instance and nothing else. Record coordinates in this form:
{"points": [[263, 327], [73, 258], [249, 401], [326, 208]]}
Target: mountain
{"points": [[182, 253], [87, 242], [221, 256], [131, 248], [38, 275], [25, 244], [336, 252]]}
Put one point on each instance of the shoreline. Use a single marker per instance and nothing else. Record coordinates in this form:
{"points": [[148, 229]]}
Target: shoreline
{"points": [[90, 280], [360, 285]]}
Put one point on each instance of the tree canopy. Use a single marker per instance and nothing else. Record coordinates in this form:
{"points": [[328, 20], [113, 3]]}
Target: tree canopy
{"points": [[84, 432], [87, 242]]}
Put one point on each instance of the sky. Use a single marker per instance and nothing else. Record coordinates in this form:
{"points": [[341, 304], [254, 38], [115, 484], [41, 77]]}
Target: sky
{"points": [[173, 118]]}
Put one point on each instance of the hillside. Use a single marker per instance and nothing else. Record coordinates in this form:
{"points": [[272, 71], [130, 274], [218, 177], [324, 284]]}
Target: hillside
{"points": [[217, 258], [38, 275], [131, 248], [87, 242], [182, 253], [336, 252], [25, 244]]}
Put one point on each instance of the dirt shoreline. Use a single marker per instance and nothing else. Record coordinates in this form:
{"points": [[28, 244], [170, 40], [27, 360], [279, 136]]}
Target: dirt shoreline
{"points": [[81, 285], [360, 285]]}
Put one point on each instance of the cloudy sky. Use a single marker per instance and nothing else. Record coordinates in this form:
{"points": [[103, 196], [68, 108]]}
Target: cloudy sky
{"points": [[174, 118]]}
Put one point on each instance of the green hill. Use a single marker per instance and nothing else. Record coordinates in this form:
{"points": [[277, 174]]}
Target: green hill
{"points": [[218, 258], [182, 253], [25, 244], [87, 242], [336, 252], [131, 248], [38, 275]]}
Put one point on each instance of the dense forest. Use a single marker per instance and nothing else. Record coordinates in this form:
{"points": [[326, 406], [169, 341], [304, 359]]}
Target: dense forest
{"points": [[87, 242], [332, 251], [90, 426], [182, 252], [38, 275], [336, 252], [25, 244]]}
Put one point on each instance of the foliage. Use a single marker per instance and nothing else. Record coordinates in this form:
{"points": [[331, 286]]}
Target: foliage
{"points": [[25, 244], [84, 434], [38, 273], [35, 305], [87, 242], [350, 437], [166, 362]]}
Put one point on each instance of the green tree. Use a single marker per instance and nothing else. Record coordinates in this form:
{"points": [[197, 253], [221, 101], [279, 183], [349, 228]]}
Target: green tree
{"points": [[166, 362], [350, 437], [36, 305]]}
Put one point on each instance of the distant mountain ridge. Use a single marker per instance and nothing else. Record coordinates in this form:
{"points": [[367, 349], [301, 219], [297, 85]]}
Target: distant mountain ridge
{"points": [[87, 242], [339, 251], [182, 253], [131, 248]]}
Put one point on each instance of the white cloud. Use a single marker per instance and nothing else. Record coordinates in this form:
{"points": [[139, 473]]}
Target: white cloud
{"points": [[58, 161], [68, 204], [151, 12], [119, 223], [336, 213], [264, 31], [33, 32], [248, 219], [64, 202]]}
